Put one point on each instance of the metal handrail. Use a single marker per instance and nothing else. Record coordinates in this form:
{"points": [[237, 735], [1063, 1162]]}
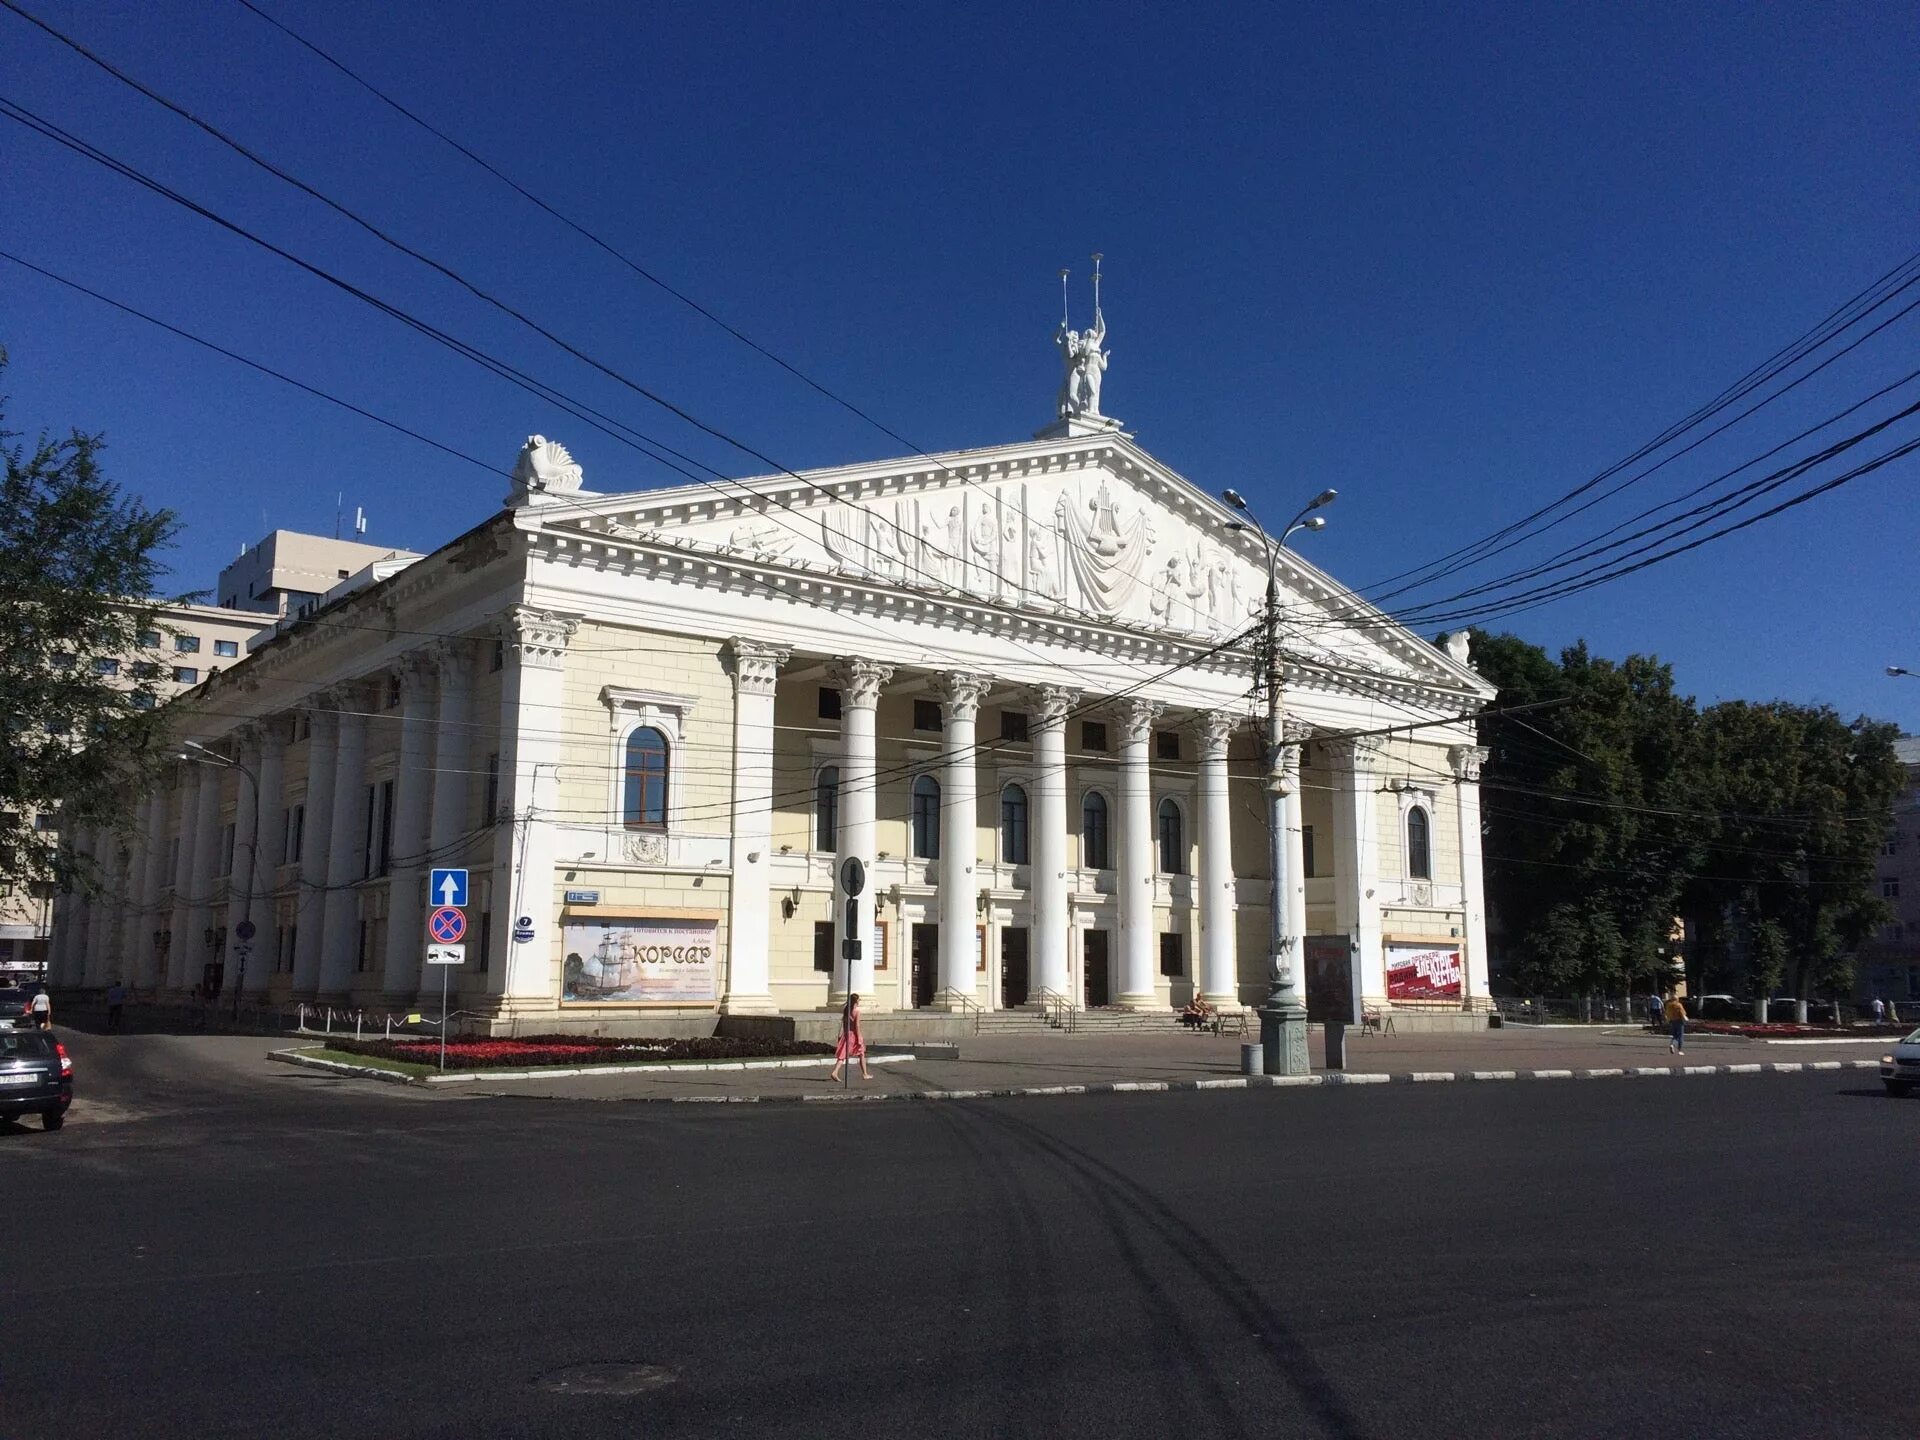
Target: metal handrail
{"points": [[967, 1004], [1061, 1007]]}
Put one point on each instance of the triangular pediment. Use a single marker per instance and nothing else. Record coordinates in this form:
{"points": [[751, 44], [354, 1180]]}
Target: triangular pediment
{"points": [[1091, 529]]}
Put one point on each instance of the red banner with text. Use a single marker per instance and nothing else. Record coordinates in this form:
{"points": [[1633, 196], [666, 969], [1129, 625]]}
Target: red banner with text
{"points": [[1423, 972]]}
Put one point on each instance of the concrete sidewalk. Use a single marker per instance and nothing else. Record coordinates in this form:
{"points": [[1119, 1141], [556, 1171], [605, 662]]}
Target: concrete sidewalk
{"points": [[1049, 1059]]}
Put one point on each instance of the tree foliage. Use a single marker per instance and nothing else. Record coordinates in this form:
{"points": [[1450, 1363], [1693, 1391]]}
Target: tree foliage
{"points": [[1626, 806], [78, 560]]}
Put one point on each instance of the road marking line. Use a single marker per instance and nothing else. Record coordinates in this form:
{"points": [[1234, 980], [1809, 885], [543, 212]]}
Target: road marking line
{"points": [[1120, 1085], [1651, 1070], [1786, 1067], [1433, 1077], [1825, 1065], [1741, 1069], [1493, 1074], [1551, 1074], [1603, 1074], [1238, 1082]]}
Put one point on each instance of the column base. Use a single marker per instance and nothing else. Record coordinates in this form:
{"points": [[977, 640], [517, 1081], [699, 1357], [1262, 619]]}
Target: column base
{"points": [[1227, 1003], [748, 1005], [1146, 1001], [1283, 1040]]}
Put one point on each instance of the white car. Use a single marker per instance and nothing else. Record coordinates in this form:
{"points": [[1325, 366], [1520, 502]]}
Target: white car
{"points": [[1900, 1066]]}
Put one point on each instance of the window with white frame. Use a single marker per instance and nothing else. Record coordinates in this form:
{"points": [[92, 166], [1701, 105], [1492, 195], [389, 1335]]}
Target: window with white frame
{"points": [[647, 729], [644, 795], [1013, 825], [1419, 843], [1096, 844], [826, 808], [926, 818], [1173, 838]]}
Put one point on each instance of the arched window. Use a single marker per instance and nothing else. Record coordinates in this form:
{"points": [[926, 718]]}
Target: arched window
{"points": [[1013, 825], [645, 804], [1173, 840], [826, 809], [1095, 851], [1419, 844], [926, 818]]}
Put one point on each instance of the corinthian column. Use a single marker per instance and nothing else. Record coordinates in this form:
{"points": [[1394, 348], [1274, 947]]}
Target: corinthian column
{"points": [[860, 682], [316, 844], [756, 668], [1219, 948], [1135, 881], [406, 924], [960, 696], [347, 847], [267, 842], [1356, 838], [1051, 915]]}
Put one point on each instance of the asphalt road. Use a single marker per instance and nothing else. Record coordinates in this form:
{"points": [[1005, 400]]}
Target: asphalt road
{"points": [[217, 1247]]}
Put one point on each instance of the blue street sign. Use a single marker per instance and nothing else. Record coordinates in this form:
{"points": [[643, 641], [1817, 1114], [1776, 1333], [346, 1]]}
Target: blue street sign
{"points": [[448, 887], [447, 925], [244, 930]]}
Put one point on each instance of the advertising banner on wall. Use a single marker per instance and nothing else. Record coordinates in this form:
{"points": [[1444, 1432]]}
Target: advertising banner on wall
{"points": [[1423, 971], [633, 962]]}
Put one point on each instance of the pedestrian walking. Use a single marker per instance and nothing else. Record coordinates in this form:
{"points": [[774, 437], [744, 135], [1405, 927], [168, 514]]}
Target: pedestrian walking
{"points": [[1879, 1010], [1676, 1017], [42, 1008], [851, 1041], [116, 998], [1653, 1011]]}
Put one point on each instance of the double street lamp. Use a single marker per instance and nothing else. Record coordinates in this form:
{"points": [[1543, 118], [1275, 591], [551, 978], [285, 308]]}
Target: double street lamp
{"points": [[195, 753], [1283, 1019]]}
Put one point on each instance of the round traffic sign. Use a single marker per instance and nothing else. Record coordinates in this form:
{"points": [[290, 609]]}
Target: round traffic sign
{"points": [[853, 876], [244, 930], [447, 925]]}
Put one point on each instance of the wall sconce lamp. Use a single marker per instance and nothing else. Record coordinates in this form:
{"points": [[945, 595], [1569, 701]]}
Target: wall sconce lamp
{"points": [[786, 849], [789, 904], [981, 901]]}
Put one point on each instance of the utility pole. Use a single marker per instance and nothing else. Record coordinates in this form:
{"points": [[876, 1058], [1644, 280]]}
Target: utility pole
{"points": [[1283, 1018]]}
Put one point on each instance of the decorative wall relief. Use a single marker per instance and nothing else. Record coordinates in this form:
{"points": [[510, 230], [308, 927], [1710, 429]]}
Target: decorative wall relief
{"points": [[646, 848], [763, 540], [1104, 554]]}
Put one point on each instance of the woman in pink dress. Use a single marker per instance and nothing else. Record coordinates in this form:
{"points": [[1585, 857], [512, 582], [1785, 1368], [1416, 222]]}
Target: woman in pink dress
{"points": [[851, 1042]]}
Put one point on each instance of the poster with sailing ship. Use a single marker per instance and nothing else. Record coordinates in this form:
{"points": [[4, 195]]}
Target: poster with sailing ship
{"points": [[640, 962]]}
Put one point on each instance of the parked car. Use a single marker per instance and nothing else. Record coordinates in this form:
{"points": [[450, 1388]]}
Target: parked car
{"points": [[36, 1075], [17, 1003], [1900, 1066], [1782, 1010], [1719, 1007]]}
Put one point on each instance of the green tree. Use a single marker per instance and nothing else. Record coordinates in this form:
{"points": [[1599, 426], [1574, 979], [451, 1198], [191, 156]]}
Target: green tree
{"points": [[1589, 837], [1804, 801], [77, 558]]}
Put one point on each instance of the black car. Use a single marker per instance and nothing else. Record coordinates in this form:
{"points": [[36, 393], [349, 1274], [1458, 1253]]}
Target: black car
{"points": [[16, 1003], [36, 1076]]}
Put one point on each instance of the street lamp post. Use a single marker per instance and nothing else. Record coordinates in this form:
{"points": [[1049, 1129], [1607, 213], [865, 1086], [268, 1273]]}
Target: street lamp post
{"points": [[1283, 1019], [200, 754]]}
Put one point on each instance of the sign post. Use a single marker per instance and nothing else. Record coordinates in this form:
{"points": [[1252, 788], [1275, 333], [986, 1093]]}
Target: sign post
{"points": [[446, 929]]}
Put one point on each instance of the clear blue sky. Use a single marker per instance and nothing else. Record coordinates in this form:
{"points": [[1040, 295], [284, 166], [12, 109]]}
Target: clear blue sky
{"points": [[1449, 260]]}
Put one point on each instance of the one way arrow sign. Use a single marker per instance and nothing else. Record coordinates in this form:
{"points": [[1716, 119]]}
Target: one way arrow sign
{"points": [[448, 887]]}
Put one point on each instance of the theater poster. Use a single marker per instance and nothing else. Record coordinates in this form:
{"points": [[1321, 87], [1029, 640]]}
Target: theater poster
{"points": [[640, 962], [1423, 971]]}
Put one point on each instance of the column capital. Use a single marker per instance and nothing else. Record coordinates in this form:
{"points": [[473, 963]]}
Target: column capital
{"points": [[1295, 731], [960, 693], [756, 665], [452, 655], [538, 639], [860, 681], [1358, 753], [1214, 729], [1136, 719], [1466, 761], [1052, 704], [416, 670]]}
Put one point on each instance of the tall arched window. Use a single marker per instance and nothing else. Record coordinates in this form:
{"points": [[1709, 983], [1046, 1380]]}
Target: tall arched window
{"points": [[1173, 840], [1419, 844], [1013, 825], [645, 803], [926, 818], [1096, 853], [826, 809]]}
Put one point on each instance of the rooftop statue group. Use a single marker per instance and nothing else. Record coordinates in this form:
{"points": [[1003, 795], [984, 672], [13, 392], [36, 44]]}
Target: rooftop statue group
{"points": [[1085, 360]]}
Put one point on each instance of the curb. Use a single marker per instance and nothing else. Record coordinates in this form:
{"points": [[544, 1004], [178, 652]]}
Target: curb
{"points": [[1322, 1080], [1254, 1082], [466, 1077]]}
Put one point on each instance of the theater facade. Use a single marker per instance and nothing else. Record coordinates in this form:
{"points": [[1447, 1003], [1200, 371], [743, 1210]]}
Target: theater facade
{"points": [[1017, 684]]}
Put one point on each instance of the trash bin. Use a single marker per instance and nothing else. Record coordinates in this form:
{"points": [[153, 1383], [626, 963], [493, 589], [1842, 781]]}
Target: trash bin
{"points": [[1249, 1059]]}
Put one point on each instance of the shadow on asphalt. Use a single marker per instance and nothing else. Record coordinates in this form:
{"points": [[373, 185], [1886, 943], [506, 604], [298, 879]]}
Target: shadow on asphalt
{"points": [[1879, 1092]]}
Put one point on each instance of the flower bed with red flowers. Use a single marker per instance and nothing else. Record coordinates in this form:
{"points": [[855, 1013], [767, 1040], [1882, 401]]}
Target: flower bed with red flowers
{"points": [[532, 1051], [1758, 1031]]}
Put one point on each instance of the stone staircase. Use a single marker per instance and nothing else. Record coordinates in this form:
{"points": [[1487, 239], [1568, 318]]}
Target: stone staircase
{"points": [[1105, 1020]]}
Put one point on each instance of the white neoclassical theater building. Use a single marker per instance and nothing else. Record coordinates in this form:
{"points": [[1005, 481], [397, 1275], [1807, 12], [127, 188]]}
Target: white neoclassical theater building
{"points": [[1017, 683]]}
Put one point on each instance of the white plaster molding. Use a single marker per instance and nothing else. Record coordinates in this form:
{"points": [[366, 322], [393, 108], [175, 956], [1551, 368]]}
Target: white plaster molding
{"points": [[860, 681], [756, 666], [1466, 761], [959, 694], [538, 639]]}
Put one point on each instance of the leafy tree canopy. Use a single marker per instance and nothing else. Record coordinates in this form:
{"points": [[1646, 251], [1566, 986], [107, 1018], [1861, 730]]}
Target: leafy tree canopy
{"points": [[78, 560]]}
